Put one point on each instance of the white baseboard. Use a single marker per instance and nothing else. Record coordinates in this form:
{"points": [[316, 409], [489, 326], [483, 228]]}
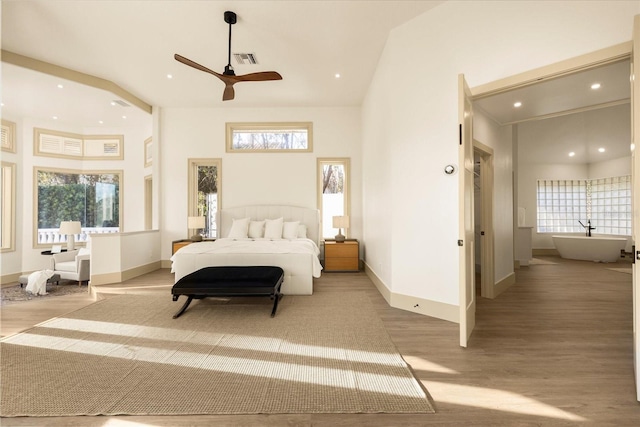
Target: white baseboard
{"points": [[117, 277], [166, 263], [422, 306], [9, 278], [504, 284]]}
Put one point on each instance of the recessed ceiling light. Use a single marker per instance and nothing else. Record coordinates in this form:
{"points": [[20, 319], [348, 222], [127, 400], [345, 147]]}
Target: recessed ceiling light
{"points": [[571, 154], [595, 86], [113, 103], [517, 104], [54, 117], [100, 121], [1, 104], [60, 86], [124, 117], [337, 75], [602, 150], [169, 76]]}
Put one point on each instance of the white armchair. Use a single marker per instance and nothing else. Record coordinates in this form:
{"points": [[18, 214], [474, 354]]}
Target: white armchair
{"points": [[72, 265]]}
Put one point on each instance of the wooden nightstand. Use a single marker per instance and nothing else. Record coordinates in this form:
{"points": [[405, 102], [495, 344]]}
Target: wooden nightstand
{"points": [[177, 244], [341, 256]]}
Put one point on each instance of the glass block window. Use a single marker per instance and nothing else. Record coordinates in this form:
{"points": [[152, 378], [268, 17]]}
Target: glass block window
{"points": [[606, 202], [611, 205], [561, 204]]}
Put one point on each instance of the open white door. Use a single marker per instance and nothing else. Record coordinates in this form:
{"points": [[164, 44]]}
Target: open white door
{"points": [[635, 138], [466, 242]]}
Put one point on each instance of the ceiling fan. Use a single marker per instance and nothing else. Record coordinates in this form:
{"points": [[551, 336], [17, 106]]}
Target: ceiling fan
{"points": [[229, 76]]}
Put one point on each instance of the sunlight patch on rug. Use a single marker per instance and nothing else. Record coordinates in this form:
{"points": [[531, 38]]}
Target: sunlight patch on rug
{"points": [[126, 355]]}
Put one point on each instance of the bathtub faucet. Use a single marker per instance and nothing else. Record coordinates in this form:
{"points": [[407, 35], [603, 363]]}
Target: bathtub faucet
{"points": [[587, 227]]}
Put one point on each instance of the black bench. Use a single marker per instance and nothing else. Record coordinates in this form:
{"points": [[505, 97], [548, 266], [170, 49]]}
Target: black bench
{"points": [[230, 282]]}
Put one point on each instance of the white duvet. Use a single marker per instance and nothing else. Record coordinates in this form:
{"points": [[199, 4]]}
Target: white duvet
{"points": [[255, 246]]}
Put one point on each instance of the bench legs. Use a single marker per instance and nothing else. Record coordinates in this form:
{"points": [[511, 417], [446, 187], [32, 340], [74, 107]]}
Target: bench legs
{"points": [[184, 307], [275, 297]]}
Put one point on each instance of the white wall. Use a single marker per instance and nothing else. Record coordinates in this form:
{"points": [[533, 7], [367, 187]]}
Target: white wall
{"points": [[27, 258], [410, 120], [253, 178]]}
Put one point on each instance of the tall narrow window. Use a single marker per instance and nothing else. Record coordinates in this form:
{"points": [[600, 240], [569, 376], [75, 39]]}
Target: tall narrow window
{"points": [[8, 209], [333, 192], [93, 198], [204, 193]]}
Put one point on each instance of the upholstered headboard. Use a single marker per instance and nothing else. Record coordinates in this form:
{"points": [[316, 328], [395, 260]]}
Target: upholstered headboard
{"points": [[308, 217]]}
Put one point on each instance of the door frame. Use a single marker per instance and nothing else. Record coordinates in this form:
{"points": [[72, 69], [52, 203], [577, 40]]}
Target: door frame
{"points": [[487, 264], [569, 66]]}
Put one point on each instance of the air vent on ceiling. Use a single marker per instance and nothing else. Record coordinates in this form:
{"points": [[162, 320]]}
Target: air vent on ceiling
{"points": [[245, 58], [121, 103]]}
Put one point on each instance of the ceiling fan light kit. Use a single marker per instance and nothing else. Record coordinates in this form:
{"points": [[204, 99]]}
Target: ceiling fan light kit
{"points": [[229, 77]]}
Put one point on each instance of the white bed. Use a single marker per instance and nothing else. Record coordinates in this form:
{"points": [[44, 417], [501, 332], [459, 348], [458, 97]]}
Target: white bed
{"points": [[298, 258]]}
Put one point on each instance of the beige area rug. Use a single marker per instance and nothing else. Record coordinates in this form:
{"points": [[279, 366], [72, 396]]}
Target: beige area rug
{"points": [[126, 355]]}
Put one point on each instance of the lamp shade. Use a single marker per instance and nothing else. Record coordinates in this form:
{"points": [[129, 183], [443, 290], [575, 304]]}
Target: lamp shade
{"points": [[195, 222], [70, 227], [341, 222]]}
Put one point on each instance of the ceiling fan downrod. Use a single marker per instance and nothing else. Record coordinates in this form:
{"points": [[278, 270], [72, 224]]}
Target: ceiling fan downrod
{"points": [[230, 18]]}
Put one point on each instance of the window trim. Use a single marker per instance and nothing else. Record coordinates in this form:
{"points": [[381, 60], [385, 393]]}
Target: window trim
{"points": [[9, 224], [192, 208], [346, 162], [10, 129], [36, 169], [258, 126], [84, 140]]}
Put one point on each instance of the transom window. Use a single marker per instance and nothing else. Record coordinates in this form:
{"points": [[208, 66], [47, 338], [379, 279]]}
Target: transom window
{"points": [[563, 204], [92, 197], [269, 137]]}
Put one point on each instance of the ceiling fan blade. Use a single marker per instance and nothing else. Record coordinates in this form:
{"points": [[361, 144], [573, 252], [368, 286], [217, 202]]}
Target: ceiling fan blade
{"points": [[259, 77], [195, 65], [229, 93]]}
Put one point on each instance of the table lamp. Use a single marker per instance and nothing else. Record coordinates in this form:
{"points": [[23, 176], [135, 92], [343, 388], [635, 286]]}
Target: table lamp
{"points": [[340, 222], [196, 223], [70, 229]]}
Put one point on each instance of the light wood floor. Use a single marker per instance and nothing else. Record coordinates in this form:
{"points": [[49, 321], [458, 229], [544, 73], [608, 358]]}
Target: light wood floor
{"points": [[554, 349]]}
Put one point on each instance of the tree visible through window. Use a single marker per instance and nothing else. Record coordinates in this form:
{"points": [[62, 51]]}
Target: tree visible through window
{"points": [[296, 137], [333, 176], [93, 198], [204, 184]]}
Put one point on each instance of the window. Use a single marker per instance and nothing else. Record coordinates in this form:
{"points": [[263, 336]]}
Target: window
{"points": [[8, 132], [333, 193], [92, 197], [606, 202], [204, 193], [269, 137], [8, 209]]}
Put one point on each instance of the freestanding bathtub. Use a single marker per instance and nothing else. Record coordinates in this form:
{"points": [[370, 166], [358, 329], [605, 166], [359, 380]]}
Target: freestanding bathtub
{"points": [[595, 248]]}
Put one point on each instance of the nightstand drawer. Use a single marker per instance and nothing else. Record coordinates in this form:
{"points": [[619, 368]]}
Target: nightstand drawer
{"points": [[341, 250], [341, 264]]}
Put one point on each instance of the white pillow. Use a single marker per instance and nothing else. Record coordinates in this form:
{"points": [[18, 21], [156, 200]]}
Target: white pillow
{"points": [[290, 230], [256, 229], [239, 229], [273, 228], [302, 231]]}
